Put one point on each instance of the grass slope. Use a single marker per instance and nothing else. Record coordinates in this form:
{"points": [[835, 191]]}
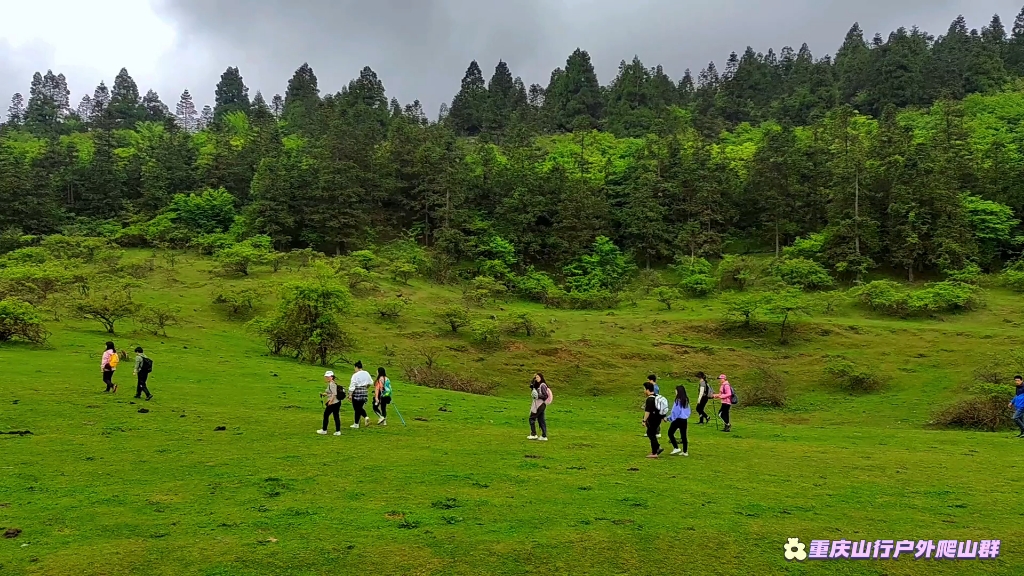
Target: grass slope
{"points": [[102, 489]]}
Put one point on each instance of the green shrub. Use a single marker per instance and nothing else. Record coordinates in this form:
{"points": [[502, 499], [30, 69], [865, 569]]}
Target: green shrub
{"points": [[208, 244], [699, 285], [809, 248], [969, 274], [21, 320], [239, 301], [802, 273], [208, 212], [362, 280], [108, 310], [590, 300], [12, 239], [241, 257], [605, 269], [884, 296], [944, 297], [691, 266], [157, 317], [850, 378], [455, 317], [402, 271], [35, 283], [33, 255], [984, 413], [84, 248], [365, 259], [667, 296], [484, 289], [739, 272], [535, 286], [1013, 276], [768, 389], [521, 323], [486, 331], [389, 308], [744, 307]]}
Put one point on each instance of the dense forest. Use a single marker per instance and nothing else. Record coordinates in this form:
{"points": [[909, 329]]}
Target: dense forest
{"points": [[903, 153]]}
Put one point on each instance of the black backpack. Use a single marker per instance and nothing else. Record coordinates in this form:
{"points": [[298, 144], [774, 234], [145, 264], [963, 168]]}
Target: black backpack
{"points": [[147, 365]]}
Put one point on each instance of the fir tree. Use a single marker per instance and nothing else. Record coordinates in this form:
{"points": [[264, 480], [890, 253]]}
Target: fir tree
{"points": [[206, 118], [100, 101], [576, 96], [186, 114], [232, 95], [16, 111], [277, 106], [469, 107], [853, 61], [501, 96], [156, 110], [261, 113], [125, 107], [1015, 46], [42, 113], [301, 99], [85, 108]]}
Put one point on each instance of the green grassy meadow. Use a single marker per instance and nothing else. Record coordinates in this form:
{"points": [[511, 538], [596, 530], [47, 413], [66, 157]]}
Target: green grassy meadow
{"points": [[99, 488]]}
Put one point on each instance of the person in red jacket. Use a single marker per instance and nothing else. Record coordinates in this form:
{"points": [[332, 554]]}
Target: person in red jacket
{"points": [[725, 395]]}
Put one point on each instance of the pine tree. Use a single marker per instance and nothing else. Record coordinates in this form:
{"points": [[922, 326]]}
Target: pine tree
{"points": [[629, 109], [261, 113], [125, 107], [501, 98], [575, 95], [232, 95], [206, 118], [1015, 46], [995, 34], [100, 102], [468, 112], [156, 110], [186, 114], [277, 106], [686, 89], [16, 111], [85, 108], [62, 96], [42, 114], [853, 61], [301, 100]]}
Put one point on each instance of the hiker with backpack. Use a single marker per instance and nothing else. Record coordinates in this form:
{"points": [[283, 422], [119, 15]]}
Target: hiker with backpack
{"points": [[334, 395], [381, 396], [678, 419], [542, 396], [143, 367], [728, 398], [655, 409], [653, 379], [357, 391], [703, 395], [108, 364]]}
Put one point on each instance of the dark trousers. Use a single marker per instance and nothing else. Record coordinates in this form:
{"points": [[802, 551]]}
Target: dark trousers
{"points": [[381, 408], [680, 425], [359, 408], [141, 387], [653, 425], [108, 379], [1018, 419], [724, 413], [538, 417], [335, 410], [700, 410]]}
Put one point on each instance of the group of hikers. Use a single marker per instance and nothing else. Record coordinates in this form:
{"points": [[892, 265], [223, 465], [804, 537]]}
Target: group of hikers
{"points": [[143, 368], [358, 394], [657, 410]]}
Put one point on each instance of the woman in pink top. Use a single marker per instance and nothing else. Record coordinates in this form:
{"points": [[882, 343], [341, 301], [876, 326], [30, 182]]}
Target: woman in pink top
{"points": [[107, 365], [725, 395]]}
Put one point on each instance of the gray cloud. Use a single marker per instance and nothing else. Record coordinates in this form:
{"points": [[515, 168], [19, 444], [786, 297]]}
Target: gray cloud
{"points": [[420, 48]]}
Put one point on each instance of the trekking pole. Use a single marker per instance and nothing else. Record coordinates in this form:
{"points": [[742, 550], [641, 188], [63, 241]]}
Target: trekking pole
{"points": [[399, 414]]}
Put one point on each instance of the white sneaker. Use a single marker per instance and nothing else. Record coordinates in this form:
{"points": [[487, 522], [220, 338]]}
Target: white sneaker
{"points": [[381, 420], [659, 435], [322, 432], [531, 437], [354, 426], [686, 453], [366, 421], [338, 433], [543, 438], [676, 452]]}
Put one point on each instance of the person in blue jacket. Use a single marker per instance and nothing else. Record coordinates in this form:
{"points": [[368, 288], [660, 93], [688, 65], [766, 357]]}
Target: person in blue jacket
{"points": [[1018, 415], [678, 419]]}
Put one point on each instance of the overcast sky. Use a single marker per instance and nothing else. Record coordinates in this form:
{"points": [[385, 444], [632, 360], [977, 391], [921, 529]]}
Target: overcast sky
{"points": [[420, 48]]}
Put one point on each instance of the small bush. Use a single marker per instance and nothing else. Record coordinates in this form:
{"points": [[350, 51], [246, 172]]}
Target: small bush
{"points": [[21, 320], [441, 379], [362, 280], [521, 323], [699, 285], [768, 389], [536, 286], [365, 259], [486, 332], [850, 378], [240, 258], [402, 271], [156, 318], [892, 299], [239, 301], [591, 300], [33, 255], [969, 274], [884, 296], [209, 244], [802, 273], [985, 413], [744, 307], [1013, 276], [108, 311], [739, 272], [667, 296], [484, 290], [455, 317], [389, 308]]}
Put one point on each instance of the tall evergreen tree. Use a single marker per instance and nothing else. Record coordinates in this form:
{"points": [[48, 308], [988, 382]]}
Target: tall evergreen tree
{"points": [[301, 100], [853, 62], [232, 95], [156, 110], [502, 94], [469, 107], [100, 102], [186, 114], [16, 111], [206, 118], [575, 95], [84, 110], [277, 106], [125, 107], [42, 113], [1015, 46]]}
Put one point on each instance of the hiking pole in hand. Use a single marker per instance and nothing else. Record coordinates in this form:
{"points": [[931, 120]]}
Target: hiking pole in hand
{"points": [[395, 408]]}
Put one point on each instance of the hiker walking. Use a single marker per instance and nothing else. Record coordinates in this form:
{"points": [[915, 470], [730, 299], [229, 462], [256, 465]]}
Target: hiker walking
{"points": [[703, 395], [1018, 385], [653, 379], [357, 389], [143, 367], [108, 364], [334, 397], [1018, 413], [655, 408], [381, 396], [725, 394], [678, 420], [541, 395]]}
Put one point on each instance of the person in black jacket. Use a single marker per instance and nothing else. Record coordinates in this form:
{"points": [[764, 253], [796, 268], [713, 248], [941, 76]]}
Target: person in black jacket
{"points": [[652, 420], [703, 395]]}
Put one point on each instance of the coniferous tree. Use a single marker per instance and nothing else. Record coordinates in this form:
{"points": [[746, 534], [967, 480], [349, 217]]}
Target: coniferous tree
{"points": [[277, 106], [16, 111], [232, 95], [261, 113], [206, 118], [853, 63], [100, 102], [301, 100], [1014, 54], [629, 109], [686, 89], [501, 99], [125, 107], [84, 110], [574, 95], [469, 107], [42, 112], [185, 113], [156, 110]]}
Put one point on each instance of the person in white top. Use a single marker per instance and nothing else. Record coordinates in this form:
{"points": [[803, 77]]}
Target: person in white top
{"points": [[357, 389]]}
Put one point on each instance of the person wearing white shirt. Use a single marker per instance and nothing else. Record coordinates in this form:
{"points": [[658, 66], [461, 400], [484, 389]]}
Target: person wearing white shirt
{"points": [[360, 383]]}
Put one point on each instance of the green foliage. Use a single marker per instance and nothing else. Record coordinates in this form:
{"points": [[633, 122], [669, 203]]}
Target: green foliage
{"points": [[486, 331], [21, 320], [768, 389], [893, 299], [389, 308], [1013, 276], [239, 301], [536, 286], [484, 290], [605, 269], [86, 249], [24, 256], [744, 307], [402, 271], [365, 259], [802, 273], [851, 378], [667, 296], [455, 316], [808, 248], [209, 212], [108, 307], [35, 283], [208, 244], [362, 280], [696, 278], [992, 224], [522, 323], [155, 318], [240, 258], [739, 272], [784, 307], [308, 322]]}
